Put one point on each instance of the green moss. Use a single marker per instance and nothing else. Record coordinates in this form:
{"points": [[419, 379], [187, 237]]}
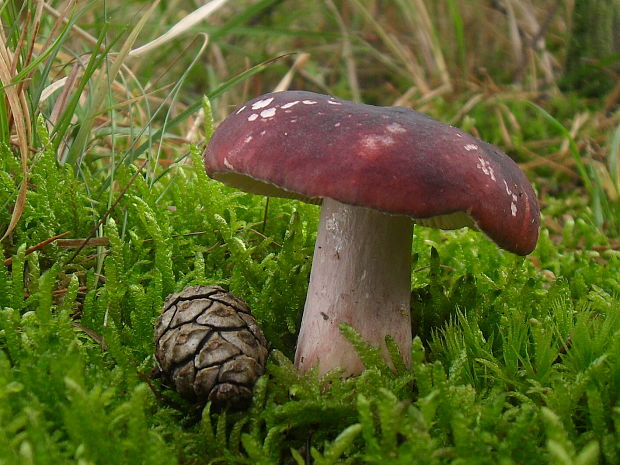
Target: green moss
{"points": [[514, 360], [507, 348]]}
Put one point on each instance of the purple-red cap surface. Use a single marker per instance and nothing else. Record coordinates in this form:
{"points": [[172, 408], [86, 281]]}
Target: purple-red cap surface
{"points": [[309, 146]]}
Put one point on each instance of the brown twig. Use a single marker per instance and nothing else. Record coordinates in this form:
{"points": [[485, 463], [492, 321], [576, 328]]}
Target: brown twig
{"points": [[104, 241], [77, 243], [598, 248], [164, 399], [93, 335], [106, 214], [9, 261], [64, 291]]}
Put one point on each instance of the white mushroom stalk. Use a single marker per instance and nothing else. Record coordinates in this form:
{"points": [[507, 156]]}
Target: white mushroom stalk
{"points": [[361, 275]]}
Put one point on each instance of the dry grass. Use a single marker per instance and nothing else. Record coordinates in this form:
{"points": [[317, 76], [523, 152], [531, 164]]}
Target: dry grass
{"points": [[110, 85]]}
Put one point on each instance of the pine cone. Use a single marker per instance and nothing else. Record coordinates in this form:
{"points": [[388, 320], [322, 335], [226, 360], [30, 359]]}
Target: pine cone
{"points": [[209, 347]]}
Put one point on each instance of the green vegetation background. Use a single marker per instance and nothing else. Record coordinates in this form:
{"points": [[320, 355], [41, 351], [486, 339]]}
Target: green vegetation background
{"points": [[515, 360]]}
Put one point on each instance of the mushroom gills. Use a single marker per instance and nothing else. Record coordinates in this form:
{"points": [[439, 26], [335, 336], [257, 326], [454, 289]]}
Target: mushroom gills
{"points": [[256, 186], [454, 220], [252, 185]]}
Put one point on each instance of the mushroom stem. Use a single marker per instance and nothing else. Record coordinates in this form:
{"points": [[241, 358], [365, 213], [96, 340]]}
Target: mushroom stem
{"points": [[361, 275]]}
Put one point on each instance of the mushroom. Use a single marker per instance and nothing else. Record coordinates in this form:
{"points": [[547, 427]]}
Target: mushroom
{"points": [[376, 170]]}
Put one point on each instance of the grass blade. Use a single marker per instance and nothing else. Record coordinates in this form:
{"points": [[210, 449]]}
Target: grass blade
{"points": [[183, 25], [97, 101]]}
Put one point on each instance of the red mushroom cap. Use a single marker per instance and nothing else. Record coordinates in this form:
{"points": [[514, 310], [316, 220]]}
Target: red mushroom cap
{"points": [[309, 146]]}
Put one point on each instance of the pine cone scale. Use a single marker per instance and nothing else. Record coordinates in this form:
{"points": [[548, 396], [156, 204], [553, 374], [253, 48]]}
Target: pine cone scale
{"points": [[216, 351], [241, 370], [221, 316], [188, 311]]}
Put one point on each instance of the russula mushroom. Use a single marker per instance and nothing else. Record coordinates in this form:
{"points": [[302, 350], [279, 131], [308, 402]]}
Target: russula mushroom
{"points": [[376, 170]]}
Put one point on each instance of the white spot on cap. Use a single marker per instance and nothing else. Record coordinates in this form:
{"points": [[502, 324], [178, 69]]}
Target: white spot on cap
{"points": [[332, 102], [252, 117], [309, 102], [486, 168], [247, 140], [290, 104], [268, 113], [262, 103], [228, 165], [470, 147], [337, 124], [240, 109], [262, 133], [395, 128], [374, 142], [513, 197]]}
